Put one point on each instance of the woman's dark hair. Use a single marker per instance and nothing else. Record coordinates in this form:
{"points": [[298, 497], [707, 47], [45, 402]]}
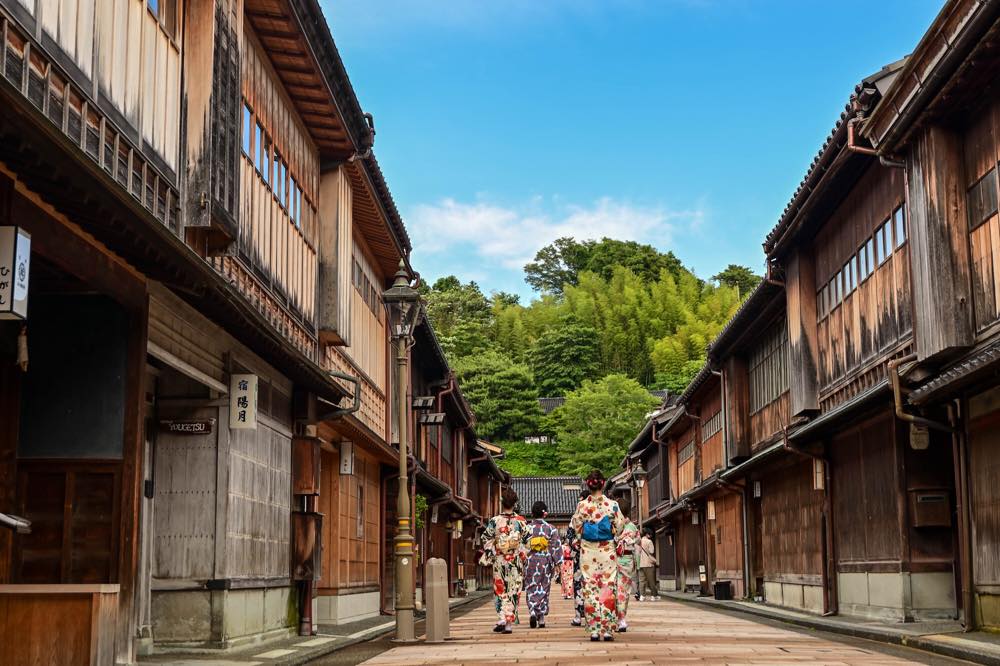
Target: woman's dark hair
{"points": [[538, 509], [625, 504], [584, 494], [508, 498], [595, 480], [648, 531]]}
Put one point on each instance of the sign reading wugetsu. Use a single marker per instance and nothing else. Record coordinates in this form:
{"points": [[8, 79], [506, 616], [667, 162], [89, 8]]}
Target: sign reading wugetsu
{"points": [[15, 269], [243, 402]]}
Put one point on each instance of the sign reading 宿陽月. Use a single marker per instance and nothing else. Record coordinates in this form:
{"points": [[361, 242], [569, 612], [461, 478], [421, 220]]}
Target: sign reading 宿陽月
{"points": [[243, 402]]}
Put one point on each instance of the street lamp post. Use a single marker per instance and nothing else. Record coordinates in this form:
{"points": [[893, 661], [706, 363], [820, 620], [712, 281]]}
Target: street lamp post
{"points": [[639, 480], [639, 475], [403, 305]]}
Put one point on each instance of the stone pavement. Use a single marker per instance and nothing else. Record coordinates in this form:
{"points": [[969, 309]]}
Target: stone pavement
{"points": [[661, 632]]}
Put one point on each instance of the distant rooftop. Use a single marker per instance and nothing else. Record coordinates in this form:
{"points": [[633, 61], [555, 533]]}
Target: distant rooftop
{"points": [[560, 493]]}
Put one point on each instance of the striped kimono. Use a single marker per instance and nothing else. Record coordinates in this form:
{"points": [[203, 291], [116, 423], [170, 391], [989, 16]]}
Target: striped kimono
{"points": [[625, 545]]}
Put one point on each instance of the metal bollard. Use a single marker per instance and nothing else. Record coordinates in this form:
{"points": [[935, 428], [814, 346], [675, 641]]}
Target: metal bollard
{"points": [[436, 599]]}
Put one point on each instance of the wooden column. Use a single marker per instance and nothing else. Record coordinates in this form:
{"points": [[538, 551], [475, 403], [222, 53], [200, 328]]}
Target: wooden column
{"points": [[10, 410], [803, 349], [131, 480], [942, 294], [738, 407]]}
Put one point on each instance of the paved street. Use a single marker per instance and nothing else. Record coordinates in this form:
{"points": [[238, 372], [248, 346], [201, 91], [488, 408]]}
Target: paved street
{"points": [[664, 632]]}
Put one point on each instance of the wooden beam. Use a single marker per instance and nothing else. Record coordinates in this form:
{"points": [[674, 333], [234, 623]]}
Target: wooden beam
{"points": [[803, 345], [939, 245], [738, 407]]}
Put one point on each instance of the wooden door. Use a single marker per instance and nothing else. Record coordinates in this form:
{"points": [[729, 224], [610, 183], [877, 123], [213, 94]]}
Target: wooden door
{"points": [[73, 507], [984, 500]]}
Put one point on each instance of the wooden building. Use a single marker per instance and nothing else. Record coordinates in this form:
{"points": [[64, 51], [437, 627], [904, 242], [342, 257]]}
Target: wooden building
{"points": [[858, 382], [939, 125], [198, 406]]}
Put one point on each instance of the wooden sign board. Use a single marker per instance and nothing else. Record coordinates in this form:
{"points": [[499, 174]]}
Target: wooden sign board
{"points": [[15, 271], [243, 402], [189, 427]]}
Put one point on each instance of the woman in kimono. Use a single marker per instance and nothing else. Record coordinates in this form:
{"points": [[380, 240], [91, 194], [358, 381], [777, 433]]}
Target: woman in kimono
{"points": [[505, 548], [566, 572], [598, 520], [574, 541], [544, 558], [625, 547]]}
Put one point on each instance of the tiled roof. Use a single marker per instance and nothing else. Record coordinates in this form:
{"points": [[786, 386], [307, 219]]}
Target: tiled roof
{"points": [[827, 153], [550, 489], [960, 373], [548, 404]]}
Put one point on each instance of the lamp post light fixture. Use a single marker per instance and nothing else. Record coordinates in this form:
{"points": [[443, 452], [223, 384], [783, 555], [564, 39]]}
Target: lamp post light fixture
{"points": [[639, 475], [402, 303]]}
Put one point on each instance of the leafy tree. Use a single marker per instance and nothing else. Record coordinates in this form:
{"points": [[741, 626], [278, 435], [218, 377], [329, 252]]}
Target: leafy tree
{"points": [[523, 459], [564, 356], [739, 277], [449, 303], [467, 338], [557, 264], [504, 298], [502, 394], [598, 421], [645, 261], [561, 262]]}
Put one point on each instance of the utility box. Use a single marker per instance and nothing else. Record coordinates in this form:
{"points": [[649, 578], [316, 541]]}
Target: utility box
{"points": [[436, 593]]}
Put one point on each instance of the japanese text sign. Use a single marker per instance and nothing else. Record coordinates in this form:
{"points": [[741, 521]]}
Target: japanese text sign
{"points": [[243, 402], [15, 269]]}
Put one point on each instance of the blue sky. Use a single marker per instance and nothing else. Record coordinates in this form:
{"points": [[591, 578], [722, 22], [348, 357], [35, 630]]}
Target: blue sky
{"points": [[686, 124]]}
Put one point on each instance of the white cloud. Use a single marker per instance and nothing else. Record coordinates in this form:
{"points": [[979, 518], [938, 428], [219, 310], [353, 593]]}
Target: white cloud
{"points": [[509, 236]]}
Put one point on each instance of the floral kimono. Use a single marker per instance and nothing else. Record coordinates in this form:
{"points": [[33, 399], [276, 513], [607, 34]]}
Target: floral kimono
{"points": [[566, 574], [625, 545], [598, 520], [573, 539], [544, 556], [505, 547]]}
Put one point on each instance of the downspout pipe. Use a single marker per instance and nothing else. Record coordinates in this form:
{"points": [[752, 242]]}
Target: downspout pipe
{"points": [[343, 411], [853, 146], [448, 390], [829, 574], [897, 396], [960, 463]]}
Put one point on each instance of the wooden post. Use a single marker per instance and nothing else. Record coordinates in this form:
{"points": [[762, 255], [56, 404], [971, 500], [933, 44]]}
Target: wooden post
{"points": [[803, 348], [131, 480], [939, 245]]}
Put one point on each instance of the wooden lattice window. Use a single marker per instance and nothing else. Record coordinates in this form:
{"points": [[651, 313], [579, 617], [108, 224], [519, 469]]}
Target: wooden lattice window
{"points": [[686, 453], [713, 425], [769, 368], [982, 197]]}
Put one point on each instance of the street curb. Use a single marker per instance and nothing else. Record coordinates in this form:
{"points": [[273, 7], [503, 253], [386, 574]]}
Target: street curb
{"points": [[299, 660], [935, 646]]}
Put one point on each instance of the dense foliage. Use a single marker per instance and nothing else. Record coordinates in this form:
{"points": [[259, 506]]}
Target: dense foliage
{"points": [[597, 422], [613, 320]]}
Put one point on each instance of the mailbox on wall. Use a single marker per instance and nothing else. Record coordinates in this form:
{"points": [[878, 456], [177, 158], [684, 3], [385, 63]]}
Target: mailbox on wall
{"points": [[930, 507]]}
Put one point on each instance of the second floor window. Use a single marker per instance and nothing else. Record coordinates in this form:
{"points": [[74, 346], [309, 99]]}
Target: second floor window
{"points": [[769, 368], [686, 453]]}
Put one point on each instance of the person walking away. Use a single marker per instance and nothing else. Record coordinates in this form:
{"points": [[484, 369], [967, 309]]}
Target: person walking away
{"points": [[647, 565], [566, 572], [625, 546], [505, 542], [544, 559], [574, 539], [598, 520]]}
